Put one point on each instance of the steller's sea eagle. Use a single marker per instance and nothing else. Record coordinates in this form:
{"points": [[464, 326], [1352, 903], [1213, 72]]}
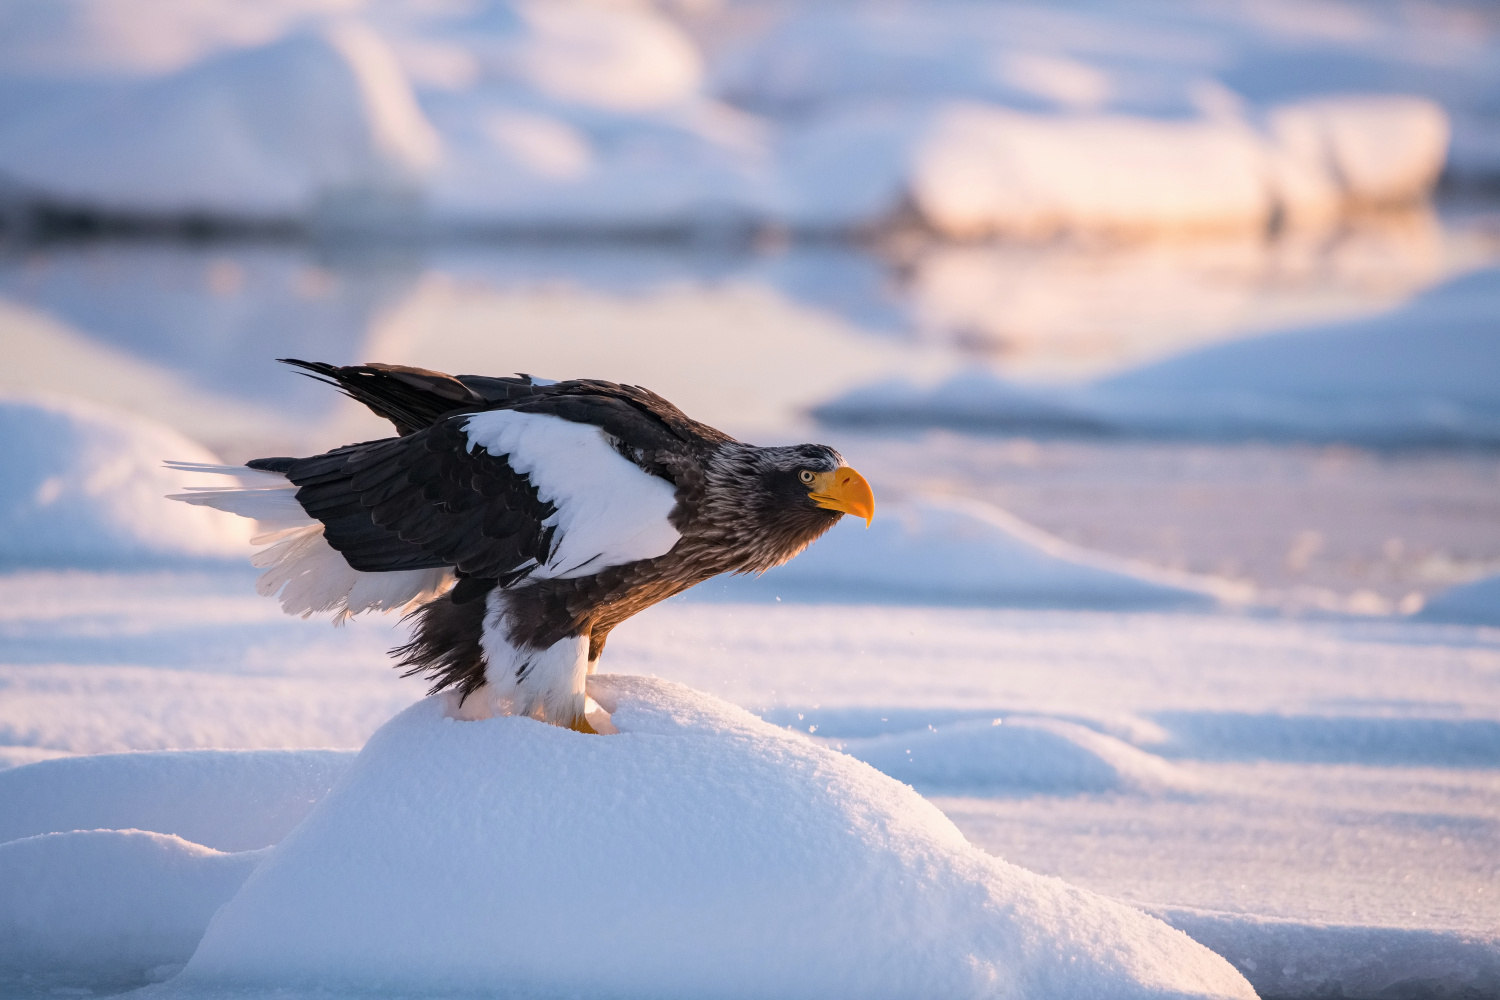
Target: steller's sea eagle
{"points": [[519, 520]]}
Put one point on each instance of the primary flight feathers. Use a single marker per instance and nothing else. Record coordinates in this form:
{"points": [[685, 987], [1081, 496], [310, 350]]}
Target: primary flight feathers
{"points": [[521, 520]]}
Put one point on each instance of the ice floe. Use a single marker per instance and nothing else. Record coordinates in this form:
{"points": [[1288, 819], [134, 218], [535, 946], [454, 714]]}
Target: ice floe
{"points": [[516, 114], [950, 550], [989, 170], [1427, 372], [85, 486], [318, 121]]}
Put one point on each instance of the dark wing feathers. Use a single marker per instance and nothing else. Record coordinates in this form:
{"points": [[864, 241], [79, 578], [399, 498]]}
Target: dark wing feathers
{"points": [[414, 398], [423, 500]]}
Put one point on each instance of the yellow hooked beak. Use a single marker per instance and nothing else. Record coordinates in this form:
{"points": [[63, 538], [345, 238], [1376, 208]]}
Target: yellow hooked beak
{"points": [[845, 491]]}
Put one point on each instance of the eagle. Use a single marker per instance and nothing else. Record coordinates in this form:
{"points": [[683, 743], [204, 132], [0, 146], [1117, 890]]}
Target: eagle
{"points": [[518, 520]]}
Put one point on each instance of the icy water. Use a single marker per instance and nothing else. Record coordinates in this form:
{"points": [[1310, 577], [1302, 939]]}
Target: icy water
{"points": [[748, 334]]}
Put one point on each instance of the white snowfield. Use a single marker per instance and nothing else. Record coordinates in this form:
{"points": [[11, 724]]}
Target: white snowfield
{"points": [[1206, 762], [514, 114], [1427, 372]]}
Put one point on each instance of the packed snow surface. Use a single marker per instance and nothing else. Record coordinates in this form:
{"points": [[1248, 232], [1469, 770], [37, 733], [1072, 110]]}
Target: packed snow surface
{"points": [[84, 486], [1426, 372], [704, 853], [1325, 788]]}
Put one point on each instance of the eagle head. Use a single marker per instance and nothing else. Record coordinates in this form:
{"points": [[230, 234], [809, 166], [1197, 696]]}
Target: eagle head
{"points": [[771, 503]]}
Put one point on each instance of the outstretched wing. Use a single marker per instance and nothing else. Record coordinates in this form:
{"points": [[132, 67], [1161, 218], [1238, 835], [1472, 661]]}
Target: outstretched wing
{"points": [[562, 484]]}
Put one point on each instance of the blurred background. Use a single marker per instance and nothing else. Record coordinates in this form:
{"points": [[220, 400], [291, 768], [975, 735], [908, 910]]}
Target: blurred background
{"points": [[1200, 283]]}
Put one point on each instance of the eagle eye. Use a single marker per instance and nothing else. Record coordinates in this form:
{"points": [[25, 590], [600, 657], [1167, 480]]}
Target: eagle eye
{"points": [[806, 476]]}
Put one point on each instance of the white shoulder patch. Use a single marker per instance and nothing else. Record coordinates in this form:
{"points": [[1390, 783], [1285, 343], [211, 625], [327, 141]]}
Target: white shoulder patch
{"points": [[609, 512]]}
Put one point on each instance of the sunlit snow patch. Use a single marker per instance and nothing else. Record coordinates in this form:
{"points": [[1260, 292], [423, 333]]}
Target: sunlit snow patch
{"points": [[699, 853]]}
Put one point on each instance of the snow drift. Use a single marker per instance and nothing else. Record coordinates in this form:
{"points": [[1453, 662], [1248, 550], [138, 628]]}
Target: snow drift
{"points": [[1017, 754], [227, 800], [951, 550], [1476, 603], [700, 852], [84, 485], [1425, 373], [1286, 958], [110, 899]]}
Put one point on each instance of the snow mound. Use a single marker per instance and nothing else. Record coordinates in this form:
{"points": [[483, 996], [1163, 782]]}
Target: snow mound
{"points": [[110, 898], [1289, 958], [84, 485], [1425, 373], [959, 551], [1476, 603], [228, 800], [1017, 754], [701, 852]]}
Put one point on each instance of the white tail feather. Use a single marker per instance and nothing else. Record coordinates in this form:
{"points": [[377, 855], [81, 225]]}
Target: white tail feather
{"points": [[273, 508], [311, 577], [243, 473], [266, 496]]}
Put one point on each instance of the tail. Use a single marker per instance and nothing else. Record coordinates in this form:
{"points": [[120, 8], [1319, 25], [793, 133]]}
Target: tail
{"points": [[414, 398], [306, 574]]}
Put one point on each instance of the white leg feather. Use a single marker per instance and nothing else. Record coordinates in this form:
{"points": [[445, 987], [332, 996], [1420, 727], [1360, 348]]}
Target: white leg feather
{"points": [[545, 684]]}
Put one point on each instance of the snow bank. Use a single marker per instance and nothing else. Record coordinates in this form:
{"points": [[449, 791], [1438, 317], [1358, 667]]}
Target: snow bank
{"points": [[1476, 603], [110, 898], [228, 800], [953, 550], [1294, 958], [1425, 373], [699, 852], [984, 169], [84, 485], [1017, 754]]}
